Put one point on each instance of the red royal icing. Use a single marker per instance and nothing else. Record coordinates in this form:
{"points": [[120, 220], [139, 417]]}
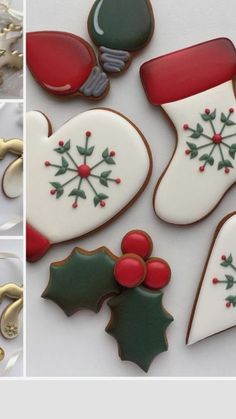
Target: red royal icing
{"points": [[84, 170], [61, 62], [130, 271], [189, 71], [137, 242], [158, 274], [36, 244]]}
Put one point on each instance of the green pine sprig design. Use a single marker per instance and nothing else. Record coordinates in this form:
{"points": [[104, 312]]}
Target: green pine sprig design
{"points": [[230, 280], [216, 150], [83, 173]]}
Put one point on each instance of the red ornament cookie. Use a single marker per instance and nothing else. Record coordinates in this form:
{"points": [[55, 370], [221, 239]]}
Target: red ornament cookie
{"points": [[65, 65]]}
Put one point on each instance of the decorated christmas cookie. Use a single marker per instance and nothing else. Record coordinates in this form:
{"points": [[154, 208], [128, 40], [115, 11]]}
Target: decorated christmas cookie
{"points": [[65, 65], [9, 320], [194, 87], [120, 28], [139, 320], [81, 175], [8, 57], [215, 305]]}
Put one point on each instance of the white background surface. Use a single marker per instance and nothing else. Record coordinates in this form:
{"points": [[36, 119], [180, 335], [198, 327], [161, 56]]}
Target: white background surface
{"points": [[78, 346], [11, 271], [11, 127]]}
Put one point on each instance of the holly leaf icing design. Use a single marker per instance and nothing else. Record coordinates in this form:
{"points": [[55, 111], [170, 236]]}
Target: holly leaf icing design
{"points": [[139, 324], [82, 281]]}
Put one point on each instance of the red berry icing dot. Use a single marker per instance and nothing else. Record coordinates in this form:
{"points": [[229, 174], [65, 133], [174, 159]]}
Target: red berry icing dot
{"points": [[130, 271], [102, 204], [52, 191], [227, 170], [47, 163], [158, 274], [223, 257], [118, 181], [185, 126], [75, 205], [217, 138], [61, 143], [137, 242], [228, 304], [112, 153], [215, 281], [202, 169], [207, 111], [84, 170], [231, 110], [88, 134], [187, 152]]}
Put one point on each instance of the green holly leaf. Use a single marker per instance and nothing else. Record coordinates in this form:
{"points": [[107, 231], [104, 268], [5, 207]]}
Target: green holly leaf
{"points": [[227, 262], [209, 159], [228, 163], [232, 300], [192, 146], [103, 181], [229, 123], [223, 117], [213, 115], [59, 189], [199, 129], [64, 148], [81, 150], [64, 162], [224, 163], [138, 323], [232, 151], [193, 154], [205, 117], [82, 281], [61, 171], [195, 135], [90, 151], [230, 281], [105, 153], [78, 192], [105, 174], [99, 197]]}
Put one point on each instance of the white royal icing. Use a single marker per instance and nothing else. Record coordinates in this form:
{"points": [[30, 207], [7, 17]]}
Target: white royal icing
{"points": [[185, 195], [55, 218], [211, 313]]}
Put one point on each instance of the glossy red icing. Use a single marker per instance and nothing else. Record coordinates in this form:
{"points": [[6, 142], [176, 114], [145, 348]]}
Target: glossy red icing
{"points": [[61, 62], [137, 242], [130, 271], [158, 274], [189, 71], [36, 244]]}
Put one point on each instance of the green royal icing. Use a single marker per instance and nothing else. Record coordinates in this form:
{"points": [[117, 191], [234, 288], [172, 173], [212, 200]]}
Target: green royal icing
{"points": [[139, 323], [82, 281], [121, 24], [230, 280]]}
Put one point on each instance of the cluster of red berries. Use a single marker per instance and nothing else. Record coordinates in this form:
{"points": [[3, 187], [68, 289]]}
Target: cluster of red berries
{"points": [[136, 267]]}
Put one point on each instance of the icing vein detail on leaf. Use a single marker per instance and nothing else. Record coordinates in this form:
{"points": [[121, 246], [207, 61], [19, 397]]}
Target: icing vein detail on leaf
{"points": [[230, 280]]}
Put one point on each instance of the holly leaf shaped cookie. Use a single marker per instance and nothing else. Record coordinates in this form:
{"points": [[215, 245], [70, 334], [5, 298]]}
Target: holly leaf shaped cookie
{"points": [[140, 336], [82, 281]]}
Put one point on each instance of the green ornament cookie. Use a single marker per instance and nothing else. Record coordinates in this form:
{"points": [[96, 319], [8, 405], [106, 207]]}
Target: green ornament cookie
{"points": [[118, 28], [82, 281]]}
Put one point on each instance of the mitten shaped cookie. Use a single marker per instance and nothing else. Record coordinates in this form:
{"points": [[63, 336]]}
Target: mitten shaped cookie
{"points": [[82, 176], [195, 88], [215, 306]]}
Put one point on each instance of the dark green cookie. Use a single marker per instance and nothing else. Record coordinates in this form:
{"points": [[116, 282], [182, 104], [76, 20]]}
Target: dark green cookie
{"points": [[139, 324], [83, 280]]}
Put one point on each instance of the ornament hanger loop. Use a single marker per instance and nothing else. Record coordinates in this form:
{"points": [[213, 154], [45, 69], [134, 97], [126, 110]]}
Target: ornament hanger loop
{"points": [[15, 14]]}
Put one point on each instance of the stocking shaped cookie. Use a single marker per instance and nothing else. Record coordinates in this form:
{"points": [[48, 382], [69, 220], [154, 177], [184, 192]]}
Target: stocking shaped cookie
{"points": [[194, 87], [215, 305], [82, 176]]}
